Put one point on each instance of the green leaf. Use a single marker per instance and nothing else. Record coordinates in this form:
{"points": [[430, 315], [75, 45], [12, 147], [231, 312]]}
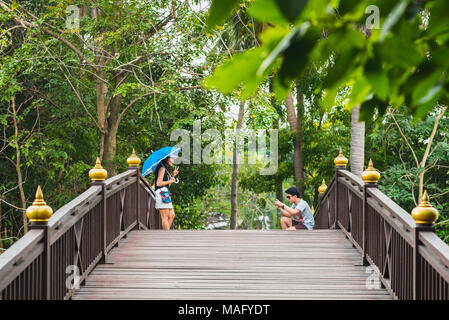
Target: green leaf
{"points": [[267, 11], [285, 43], [344, 64], [399, 52], [219, 11], [296, 56], [272, 36], [360, 90], [428, 89], [318, 9], [240, 69], [426, 83], [346, 6], [439, 23], [392, 18], [291, 8], [419, 112], [377, 78], [368, 108], [339, 40], [328, 100], [281, 91]]}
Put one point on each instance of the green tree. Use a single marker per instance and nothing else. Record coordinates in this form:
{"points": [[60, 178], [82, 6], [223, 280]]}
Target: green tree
{"points": [[401, 63]]}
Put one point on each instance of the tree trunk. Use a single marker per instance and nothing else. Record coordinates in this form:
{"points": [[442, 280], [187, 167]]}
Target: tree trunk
{"points": [[422, 165], [278, 181], [101, 106], [298, 143], [357, 153], [235, 171], [110, 141], [18, 170], [101, 86], [297, 156]]}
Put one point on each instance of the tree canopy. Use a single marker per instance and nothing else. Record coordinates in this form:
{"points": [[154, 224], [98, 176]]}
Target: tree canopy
{"points": [[131, 72], [403, 62]]}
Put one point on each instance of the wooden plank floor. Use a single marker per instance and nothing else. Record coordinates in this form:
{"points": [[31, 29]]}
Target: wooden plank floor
{"points": [[225, 264]]}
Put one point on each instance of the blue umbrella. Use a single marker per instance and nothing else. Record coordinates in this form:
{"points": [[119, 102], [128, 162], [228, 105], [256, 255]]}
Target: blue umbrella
{"points": [[156, 157]]}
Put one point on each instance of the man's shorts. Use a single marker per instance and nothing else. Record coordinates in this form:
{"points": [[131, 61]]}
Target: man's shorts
{"points": [[298, 225]]}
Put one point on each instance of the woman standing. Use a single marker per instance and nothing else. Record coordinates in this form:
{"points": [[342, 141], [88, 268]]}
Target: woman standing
{"points": [[163, 200]]}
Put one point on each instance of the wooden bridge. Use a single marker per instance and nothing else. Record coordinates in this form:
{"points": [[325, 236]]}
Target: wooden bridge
{"points": [[109, 237]]}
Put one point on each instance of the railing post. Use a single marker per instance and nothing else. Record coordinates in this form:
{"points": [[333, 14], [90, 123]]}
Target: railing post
{"points": [[335, 225], [38, 214], [364, 226], [133, 164], [340, 164], [370, 176], [424, 215], [98, 175], [138, 199], [321, 190]]}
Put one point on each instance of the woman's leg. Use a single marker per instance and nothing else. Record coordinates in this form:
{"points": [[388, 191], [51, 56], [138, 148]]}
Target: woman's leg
{"points": [[171, 217], [165, 213]]}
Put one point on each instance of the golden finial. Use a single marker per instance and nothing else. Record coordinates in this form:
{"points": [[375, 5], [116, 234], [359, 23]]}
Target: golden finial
{"points": [[313, 210], [425, 213], [341, 160], [322, 189], [97, 173], [133, 160], [370, 175], [39, 211]]}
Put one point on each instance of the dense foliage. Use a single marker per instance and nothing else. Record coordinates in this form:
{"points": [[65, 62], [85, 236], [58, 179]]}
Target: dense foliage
{"points": [[404, 62], [134, 71]]}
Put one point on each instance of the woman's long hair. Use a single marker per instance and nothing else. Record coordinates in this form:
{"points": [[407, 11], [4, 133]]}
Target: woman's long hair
{"points": [[163, 164]]}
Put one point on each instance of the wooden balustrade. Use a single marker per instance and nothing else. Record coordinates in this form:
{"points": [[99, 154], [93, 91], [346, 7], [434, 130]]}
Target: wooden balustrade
{"points": [[42, 264], [410, 260]]}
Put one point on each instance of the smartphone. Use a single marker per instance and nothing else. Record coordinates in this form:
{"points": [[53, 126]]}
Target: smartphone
{"points": [[277, 207]]}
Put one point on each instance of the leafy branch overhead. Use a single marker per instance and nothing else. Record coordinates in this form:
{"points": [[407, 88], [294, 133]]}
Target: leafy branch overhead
{"points": [[403, 62]]}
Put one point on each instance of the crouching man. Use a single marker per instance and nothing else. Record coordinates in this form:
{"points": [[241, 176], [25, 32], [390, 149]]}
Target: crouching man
{"points": [[299, 215]]}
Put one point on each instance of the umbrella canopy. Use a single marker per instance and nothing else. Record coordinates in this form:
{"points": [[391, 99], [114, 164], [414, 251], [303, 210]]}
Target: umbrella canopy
{"points": [[156, 157]]}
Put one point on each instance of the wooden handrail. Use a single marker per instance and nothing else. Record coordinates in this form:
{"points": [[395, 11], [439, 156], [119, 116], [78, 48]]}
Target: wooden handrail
{"points": [[147, 184], [410, 259], [396, 212], [80, 234], [438, 256], [18, 257], [352, 177], [72, 212]]}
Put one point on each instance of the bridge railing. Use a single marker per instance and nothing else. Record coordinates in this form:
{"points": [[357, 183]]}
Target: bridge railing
{"points": [[409, 258], [55, 256]]}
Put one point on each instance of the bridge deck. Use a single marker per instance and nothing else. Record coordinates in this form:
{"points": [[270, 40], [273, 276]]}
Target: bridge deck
{"points": [[225, 264]]}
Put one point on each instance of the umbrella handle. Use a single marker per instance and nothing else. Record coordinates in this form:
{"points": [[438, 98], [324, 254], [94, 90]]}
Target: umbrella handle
{"points": [[176, 180]]}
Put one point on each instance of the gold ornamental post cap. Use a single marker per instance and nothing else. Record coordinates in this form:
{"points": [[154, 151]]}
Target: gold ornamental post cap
{"points": [[370, 174], [322, 189], [133, 160], [39, 211], [425, 213], [313, 209], [341, 160], [97, 173]]}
